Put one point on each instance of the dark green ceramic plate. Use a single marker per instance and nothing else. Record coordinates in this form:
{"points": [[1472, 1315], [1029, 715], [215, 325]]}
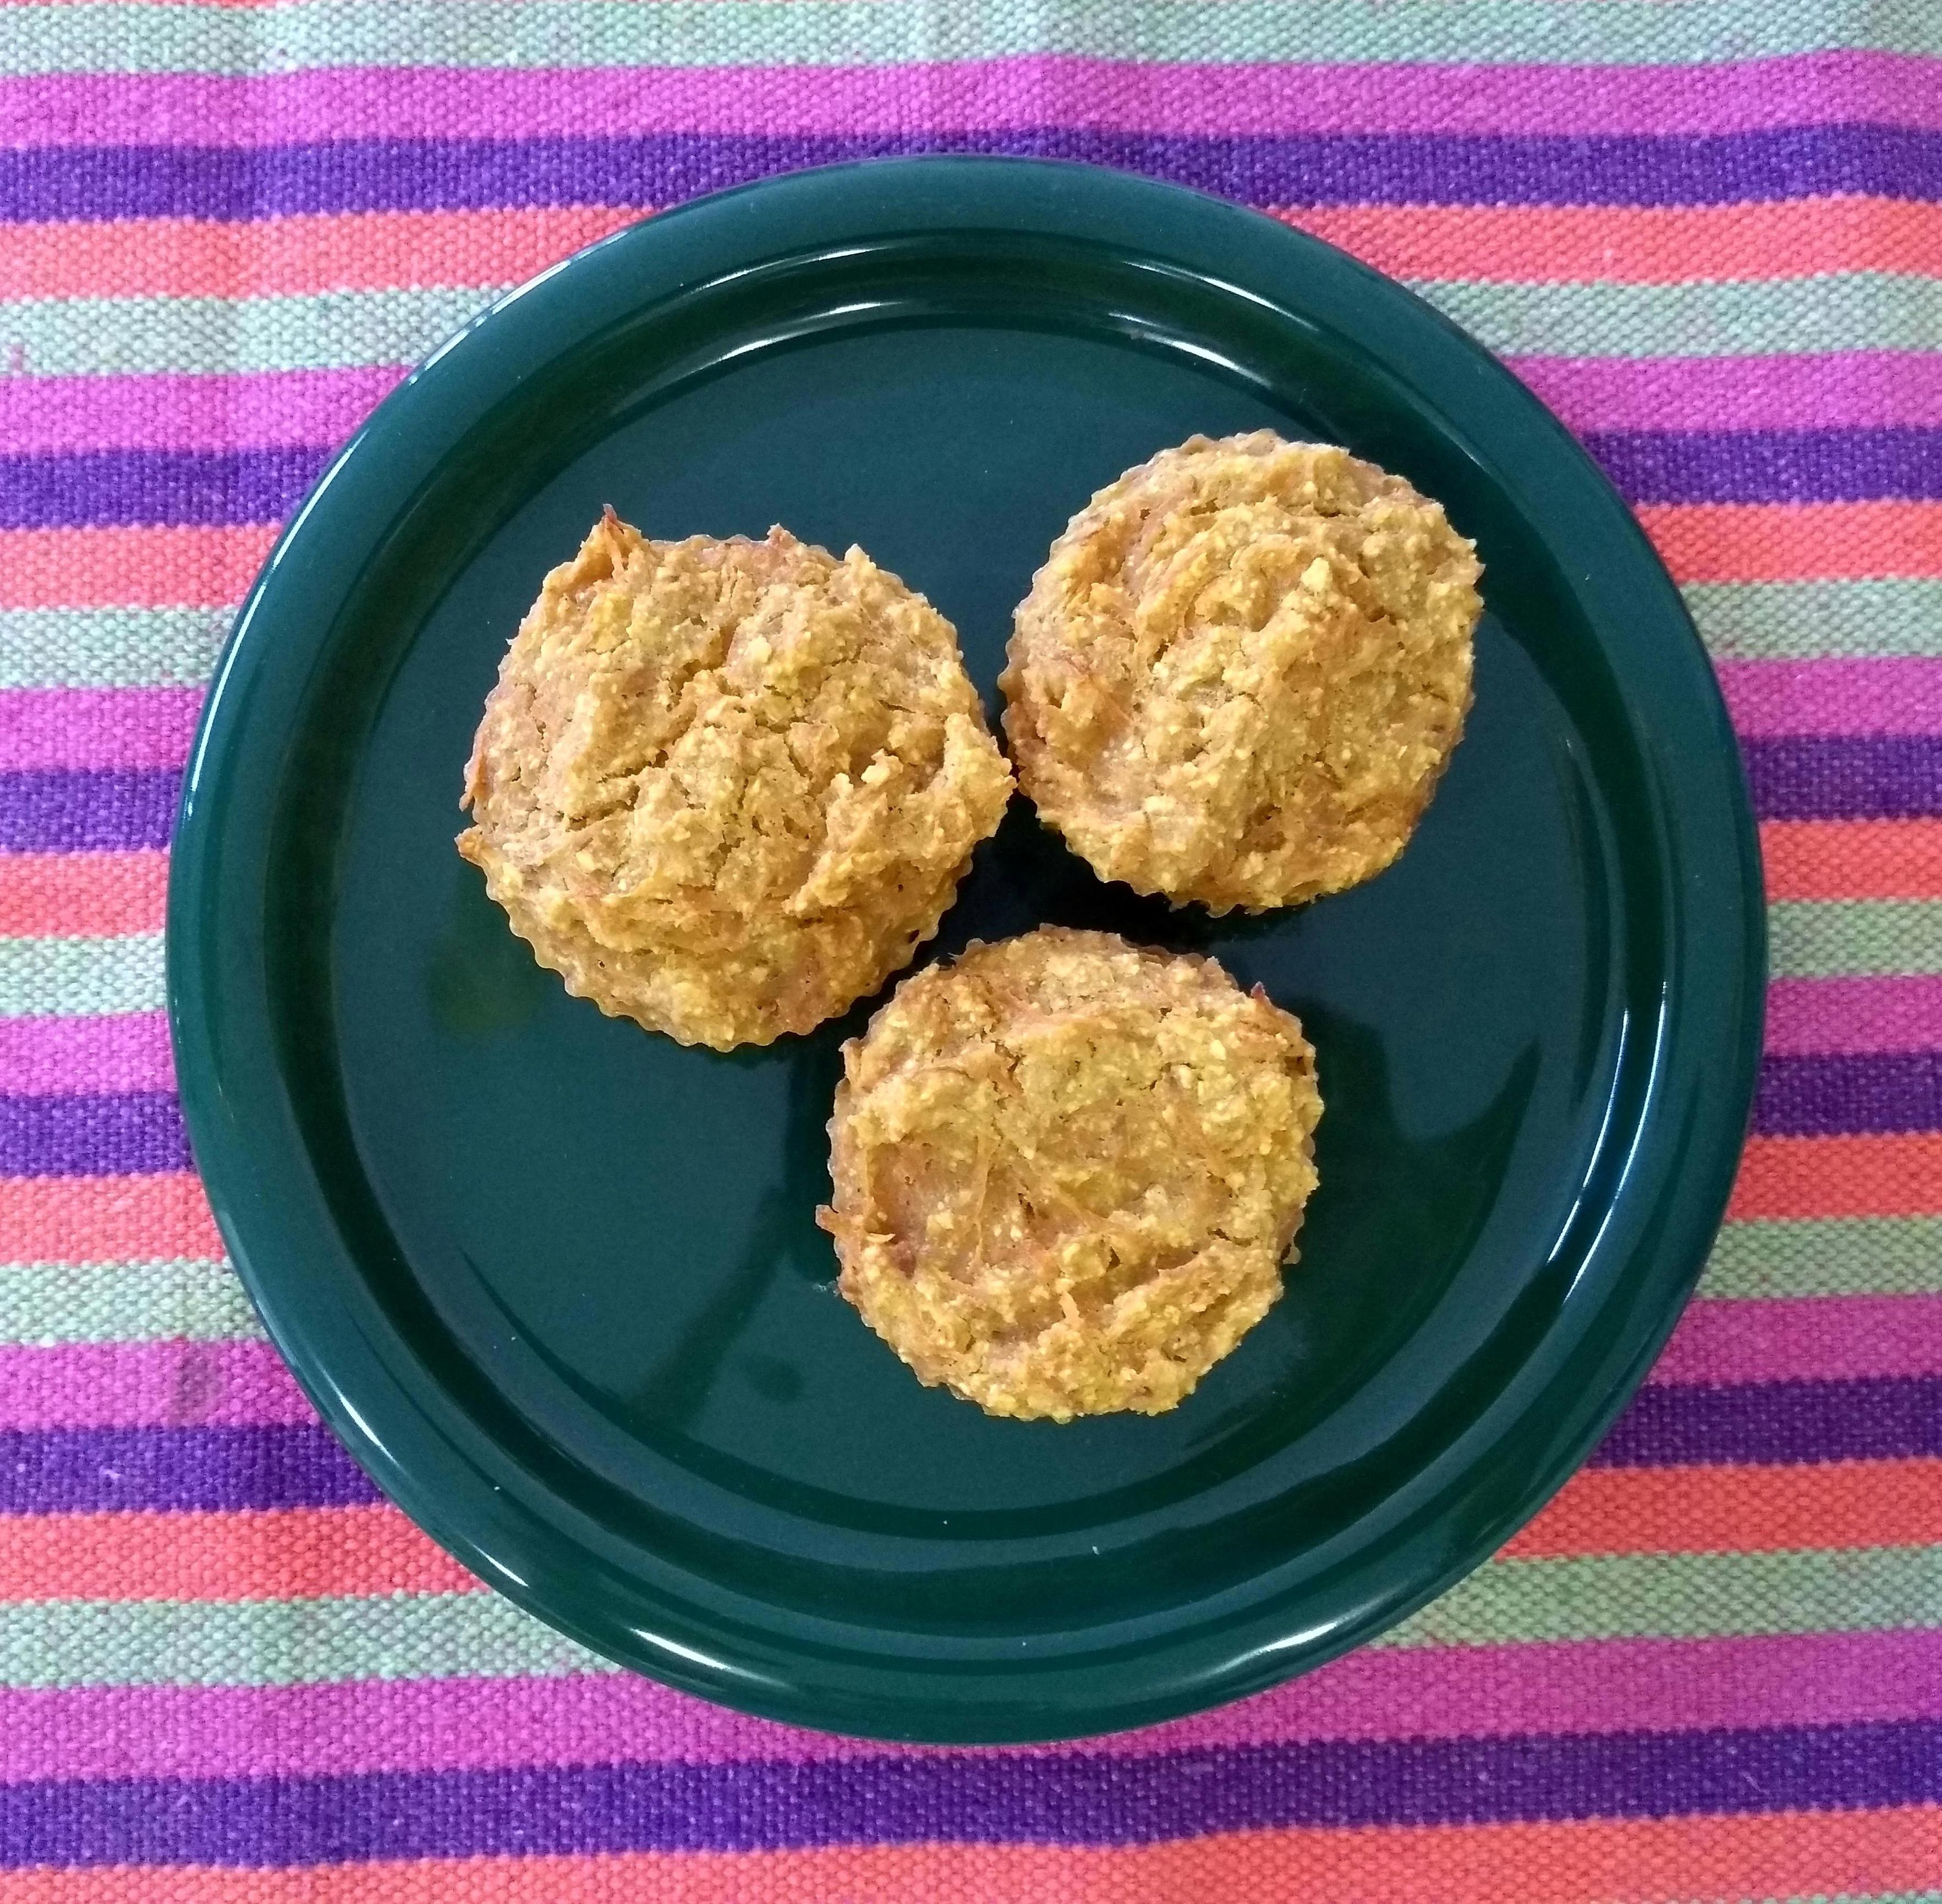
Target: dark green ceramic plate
{"points": [[555, 1281]]}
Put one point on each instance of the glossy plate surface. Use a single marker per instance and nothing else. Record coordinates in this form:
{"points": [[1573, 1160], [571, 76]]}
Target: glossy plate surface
{"points": [[555, 1281]]}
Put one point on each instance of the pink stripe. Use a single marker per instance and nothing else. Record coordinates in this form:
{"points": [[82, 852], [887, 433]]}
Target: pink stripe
{"points": [[997, 95], [196, 1732], [1902, 695], [1806, 1017], [48, 1056], [39, 415], [148, 1384], [43, 414], [91, 727], [1837, 390], [1828, 1337]]}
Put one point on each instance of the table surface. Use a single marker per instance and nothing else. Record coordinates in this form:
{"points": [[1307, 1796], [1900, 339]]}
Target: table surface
{"points": [[1709, 235]]}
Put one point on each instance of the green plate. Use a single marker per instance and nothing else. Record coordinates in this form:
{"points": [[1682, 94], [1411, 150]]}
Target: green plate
{"points": [[555, 1281]]}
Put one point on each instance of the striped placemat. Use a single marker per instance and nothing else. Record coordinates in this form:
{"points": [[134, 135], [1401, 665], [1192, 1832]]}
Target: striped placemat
{"points": [[1708, 232]]}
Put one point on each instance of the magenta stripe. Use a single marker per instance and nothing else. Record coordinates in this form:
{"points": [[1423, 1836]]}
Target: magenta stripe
{"points": [[97, 727], [244, 1385], [148, 1384], [994, 96], [1838, 390], [1828, 1337], [419, 1725], [1853, 390], [1814, 1017], [1900, 695], [43, 414], [46, 1056]]}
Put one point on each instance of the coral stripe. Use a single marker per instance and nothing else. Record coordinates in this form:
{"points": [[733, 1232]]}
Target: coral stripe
{"points": [[1839, 1176], [1897, 695], [328, 251], [1834, 1504], [130, 568], [1852, 859], [285, 257], [103, 1219], [280, 1553], [88, 895], [1633, 244], [1806, 1017], [1701, 541], [1795, 542], [1774, 1855]]}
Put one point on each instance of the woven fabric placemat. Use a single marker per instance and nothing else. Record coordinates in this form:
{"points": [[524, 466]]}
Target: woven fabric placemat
{"points": [[1709, 235]]}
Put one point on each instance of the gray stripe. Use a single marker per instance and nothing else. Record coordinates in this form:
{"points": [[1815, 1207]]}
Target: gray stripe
{"points": [[41, 978], [110, 647], [324, 33], [1799, 621]]}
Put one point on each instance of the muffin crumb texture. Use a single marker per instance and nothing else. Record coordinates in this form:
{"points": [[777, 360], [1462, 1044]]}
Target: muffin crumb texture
{"points": [[726, 788], [1240, 673], [1068, 1170]]}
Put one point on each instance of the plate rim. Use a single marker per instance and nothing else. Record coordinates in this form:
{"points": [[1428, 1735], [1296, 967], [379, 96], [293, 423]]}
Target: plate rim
{"points": [[216, 1078]]}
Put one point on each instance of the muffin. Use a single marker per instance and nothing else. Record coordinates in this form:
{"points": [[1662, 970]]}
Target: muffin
{"points": [[726, 789], [1240, 673], [1068, 1170]]}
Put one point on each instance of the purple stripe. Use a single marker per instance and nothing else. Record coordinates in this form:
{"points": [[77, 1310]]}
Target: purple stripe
{"points": [[99, 810], [140, 1132], [72, 1470], [104, 488], [1875, 1418], [1893, 776], [1835, 389], [373, 175], [136, 1134], [91, 1470], [118, 488], [1771, 466], [1899, 694], [1657, 1685], [1071, 1797], [193, 109], [1828, 777], [1825, 1096], [97, 726], [125, 1051], [1809, 1015]]}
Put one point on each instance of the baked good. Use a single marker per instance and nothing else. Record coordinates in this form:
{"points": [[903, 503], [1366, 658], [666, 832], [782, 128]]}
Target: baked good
{"points": [[1067, 1172], [726, 788], [1241, 671]]}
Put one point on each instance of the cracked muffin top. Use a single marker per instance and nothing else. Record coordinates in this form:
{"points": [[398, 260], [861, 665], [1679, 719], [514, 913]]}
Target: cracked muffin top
{"points": [[726, 788], [1068, 1170], [1242, 670]]}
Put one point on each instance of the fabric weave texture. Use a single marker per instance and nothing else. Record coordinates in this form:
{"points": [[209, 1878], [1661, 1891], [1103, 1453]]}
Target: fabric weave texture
{"points": [[1708, 232]]}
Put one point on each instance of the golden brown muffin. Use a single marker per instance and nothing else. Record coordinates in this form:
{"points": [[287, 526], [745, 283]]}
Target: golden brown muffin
{"points": [[1068, 1170], [1240, 673], [726, 789]]}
